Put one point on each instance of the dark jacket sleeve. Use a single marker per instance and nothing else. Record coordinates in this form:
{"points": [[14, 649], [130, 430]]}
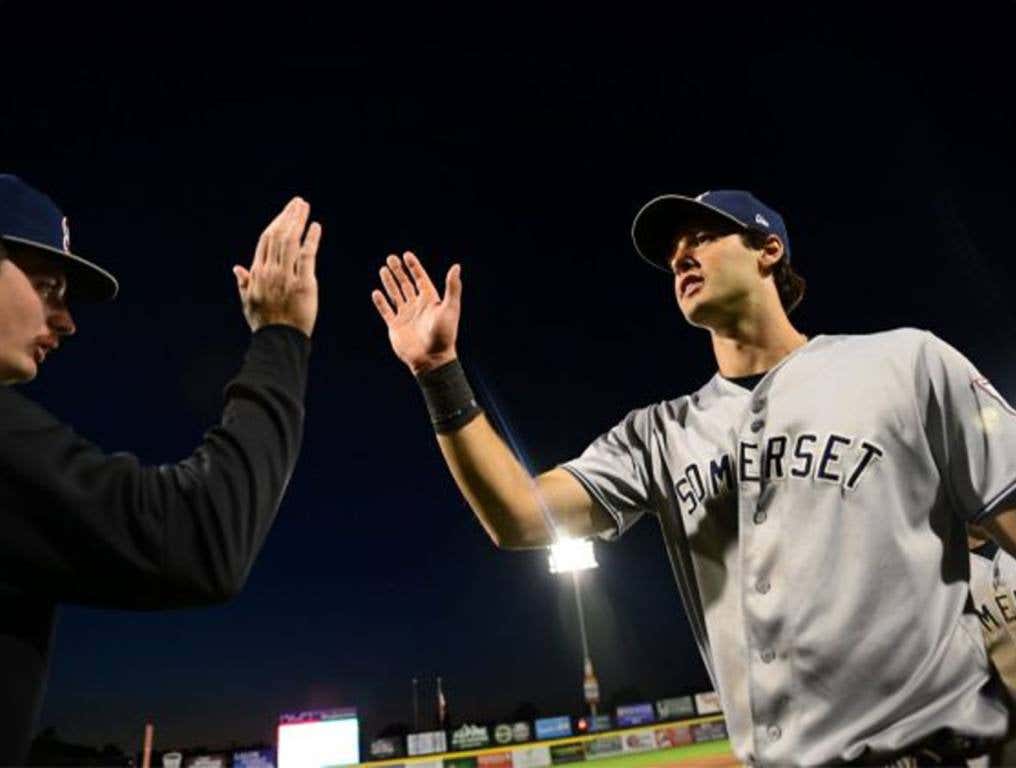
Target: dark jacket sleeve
{"points": [[80, 525]]}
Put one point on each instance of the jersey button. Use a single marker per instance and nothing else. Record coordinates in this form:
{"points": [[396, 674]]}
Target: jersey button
{"points": [[760, 517], [768, 655], [762, 586], [758, 405], [774, 732], [757, 425]]}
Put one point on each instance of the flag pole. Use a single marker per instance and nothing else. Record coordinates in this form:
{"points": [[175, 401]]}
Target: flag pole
{"points": [[146, 754], [416, 706], [442, 705]]}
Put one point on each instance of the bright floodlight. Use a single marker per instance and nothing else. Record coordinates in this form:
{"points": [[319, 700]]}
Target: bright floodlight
{"points": [[572, 555]]}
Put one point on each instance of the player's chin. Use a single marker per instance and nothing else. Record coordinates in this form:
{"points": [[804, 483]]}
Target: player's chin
{"points": [[19, 371], [20, 368], [696, 312]]}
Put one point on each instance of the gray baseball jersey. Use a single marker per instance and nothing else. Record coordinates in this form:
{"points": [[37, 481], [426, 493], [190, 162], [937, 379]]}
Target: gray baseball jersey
{"points": [[816, 530], [992, 584], [992, 589]]}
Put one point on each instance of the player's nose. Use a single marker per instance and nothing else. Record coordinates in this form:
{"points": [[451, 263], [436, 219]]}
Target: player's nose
{"points": [[61, 322], [683, 260], [684, 254]]}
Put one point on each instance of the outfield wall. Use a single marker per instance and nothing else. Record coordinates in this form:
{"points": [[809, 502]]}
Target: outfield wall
{"points": [[682, 740]]}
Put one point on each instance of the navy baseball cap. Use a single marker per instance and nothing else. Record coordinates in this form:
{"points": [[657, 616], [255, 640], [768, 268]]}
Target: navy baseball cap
{"points": [[29, 218], [660, 219]]}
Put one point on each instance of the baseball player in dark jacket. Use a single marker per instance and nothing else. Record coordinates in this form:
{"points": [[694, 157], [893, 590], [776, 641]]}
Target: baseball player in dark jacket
{"points": [[83, 526]]}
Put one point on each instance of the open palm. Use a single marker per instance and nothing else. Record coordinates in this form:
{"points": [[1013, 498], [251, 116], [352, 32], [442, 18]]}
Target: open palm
{"points": [[422, 326]]}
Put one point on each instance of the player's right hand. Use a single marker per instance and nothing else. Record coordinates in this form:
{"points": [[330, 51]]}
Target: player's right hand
{"points": [[422, 326], [280, 287]]}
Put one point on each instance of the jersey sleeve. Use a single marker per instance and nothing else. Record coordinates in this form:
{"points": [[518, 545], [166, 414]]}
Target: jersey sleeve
{"points": [[614, 469], [971, 430], [85, 526]]}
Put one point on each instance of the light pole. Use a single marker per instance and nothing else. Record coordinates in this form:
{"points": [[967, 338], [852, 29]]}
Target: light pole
{"points": [[572, 556], [416, 706]]}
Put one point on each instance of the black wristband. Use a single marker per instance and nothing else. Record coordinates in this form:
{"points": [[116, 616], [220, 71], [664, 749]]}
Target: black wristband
{"points": [[450, 400]]}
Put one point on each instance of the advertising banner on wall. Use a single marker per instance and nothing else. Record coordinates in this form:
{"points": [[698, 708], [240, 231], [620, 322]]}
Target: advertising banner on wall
{"points": [[387, 747], [707, 703], [635, 714], [207, 761], [676, 708], [605, 746], [505, 733], [709, 731], [460, 762], [594, 724], [673, 736], [569, 752], [494, 760], [553, 727], [470, 737], [427, 743], [531, 757], [254, 758], [639, 741]]}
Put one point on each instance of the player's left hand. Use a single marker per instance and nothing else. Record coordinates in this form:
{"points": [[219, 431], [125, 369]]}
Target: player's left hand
{"points": [[422, 325], [280, 287]]}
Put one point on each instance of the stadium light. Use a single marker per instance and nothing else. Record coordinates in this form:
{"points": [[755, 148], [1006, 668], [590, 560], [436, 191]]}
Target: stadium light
{"points": [[573, 556], [570, 555]]}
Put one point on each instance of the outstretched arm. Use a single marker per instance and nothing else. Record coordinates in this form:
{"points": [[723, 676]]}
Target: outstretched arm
{"points": [[517, 510], [85, 526]]}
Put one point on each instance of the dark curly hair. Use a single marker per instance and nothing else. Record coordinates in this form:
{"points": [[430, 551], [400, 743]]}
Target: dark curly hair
{"points": [[789, 284]]}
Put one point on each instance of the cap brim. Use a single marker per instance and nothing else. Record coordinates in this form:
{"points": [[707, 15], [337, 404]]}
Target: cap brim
{"points": [[659, 220], [86, 282]]}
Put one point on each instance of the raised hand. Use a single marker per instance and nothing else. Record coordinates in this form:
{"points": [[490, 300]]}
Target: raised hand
{"points": [[280, 287], [422, 326]]}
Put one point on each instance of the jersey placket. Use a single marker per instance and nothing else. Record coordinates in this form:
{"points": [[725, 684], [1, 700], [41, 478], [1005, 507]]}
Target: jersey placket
{"points": [[765, 596]]}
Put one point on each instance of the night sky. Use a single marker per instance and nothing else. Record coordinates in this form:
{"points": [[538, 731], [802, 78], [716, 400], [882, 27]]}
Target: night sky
{"points": [[520, 148]]}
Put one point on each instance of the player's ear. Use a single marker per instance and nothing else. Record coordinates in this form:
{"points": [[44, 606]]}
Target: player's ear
{"points": [[770, 254]]}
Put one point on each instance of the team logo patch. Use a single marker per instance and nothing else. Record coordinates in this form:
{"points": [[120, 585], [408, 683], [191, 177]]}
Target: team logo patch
{"points": [[760, 219], [66, 235], [995, 395]]}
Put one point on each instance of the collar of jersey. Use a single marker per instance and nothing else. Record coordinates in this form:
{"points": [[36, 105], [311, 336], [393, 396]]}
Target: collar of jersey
{"points": [[719, 386]]}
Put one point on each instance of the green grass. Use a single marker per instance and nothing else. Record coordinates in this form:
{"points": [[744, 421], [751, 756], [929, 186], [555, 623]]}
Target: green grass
{"points": [[673, 756]]}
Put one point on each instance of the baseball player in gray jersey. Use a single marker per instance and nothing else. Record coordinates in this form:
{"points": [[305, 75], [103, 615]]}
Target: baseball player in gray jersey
{"points": [[993, 590], [812, 496]]}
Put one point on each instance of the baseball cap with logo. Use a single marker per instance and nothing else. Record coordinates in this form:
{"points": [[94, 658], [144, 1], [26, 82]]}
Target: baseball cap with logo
{"points": [[30, 219], [659, 220]]}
